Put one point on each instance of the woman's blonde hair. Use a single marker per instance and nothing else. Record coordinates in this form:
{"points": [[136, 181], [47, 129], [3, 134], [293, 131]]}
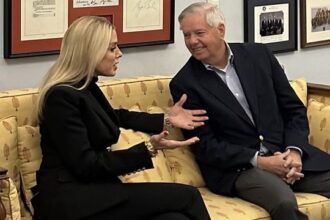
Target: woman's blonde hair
{"points": [[83, 47], [214, 16]]}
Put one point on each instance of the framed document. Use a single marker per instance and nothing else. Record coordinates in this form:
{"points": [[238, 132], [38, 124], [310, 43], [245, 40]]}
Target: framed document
{"points": [[314, 23], [272, 22], [33, 28]]}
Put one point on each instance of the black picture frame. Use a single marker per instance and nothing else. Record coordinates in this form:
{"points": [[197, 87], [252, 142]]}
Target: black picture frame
{"points": [[14, 47], [314, 31], [272, 22]]}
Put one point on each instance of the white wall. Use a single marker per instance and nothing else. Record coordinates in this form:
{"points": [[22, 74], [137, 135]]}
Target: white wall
{"points": [[167, 59]]}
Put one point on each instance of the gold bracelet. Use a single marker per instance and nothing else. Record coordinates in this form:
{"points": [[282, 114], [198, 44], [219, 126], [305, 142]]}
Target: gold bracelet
{"points": [[152, 151]]}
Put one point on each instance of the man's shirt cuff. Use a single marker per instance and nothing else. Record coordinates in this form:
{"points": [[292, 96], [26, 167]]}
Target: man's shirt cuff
{"points": [[253, 161], [296, 148]]}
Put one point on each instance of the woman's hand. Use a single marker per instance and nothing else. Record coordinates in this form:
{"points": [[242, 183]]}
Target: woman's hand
{"points": [[160, 142], [186, 118]]}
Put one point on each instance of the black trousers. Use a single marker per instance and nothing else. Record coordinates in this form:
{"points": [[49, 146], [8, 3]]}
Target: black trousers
{"points": [[276, 196], [158, 201]]}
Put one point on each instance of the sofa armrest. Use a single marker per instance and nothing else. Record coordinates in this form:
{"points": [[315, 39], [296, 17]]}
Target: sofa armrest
{"points": [[3, 176]]}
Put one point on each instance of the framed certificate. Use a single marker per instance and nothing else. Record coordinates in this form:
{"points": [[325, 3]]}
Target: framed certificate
{"points": [[272, 22], [33, 28]]}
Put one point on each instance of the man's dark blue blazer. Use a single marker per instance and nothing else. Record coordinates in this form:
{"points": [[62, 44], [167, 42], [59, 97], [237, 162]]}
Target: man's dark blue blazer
{"points": [[229, 140]]}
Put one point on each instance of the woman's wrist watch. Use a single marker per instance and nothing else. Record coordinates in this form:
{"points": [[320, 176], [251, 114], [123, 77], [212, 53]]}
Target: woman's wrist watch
{"points": [[152, 151], [167, 123]]}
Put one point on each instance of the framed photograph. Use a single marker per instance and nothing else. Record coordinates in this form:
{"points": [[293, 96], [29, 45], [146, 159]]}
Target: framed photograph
{"points": [[314, 23], [272, 22], [34, 28]]}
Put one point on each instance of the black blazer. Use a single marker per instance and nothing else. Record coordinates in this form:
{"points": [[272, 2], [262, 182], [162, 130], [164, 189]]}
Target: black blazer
{"points": [[78, 176], [229, 140]]}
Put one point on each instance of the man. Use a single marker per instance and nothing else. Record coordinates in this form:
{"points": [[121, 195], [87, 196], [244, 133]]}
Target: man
{"points": [[255, 143]]}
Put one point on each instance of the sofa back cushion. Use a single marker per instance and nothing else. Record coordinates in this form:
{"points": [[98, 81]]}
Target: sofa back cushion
{"points": [[21, 104], [30, 156], [300, 87], [319, 124], [141, 91], [323, 98], [181, 160], [8, 148], [160, 172]]}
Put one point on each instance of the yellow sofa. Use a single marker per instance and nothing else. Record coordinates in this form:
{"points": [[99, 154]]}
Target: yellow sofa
{"points": [[20, 152]]}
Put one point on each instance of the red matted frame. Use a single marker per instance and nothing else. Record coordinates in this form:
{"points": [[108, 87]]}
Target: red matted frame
{"points": [[15, 48]]}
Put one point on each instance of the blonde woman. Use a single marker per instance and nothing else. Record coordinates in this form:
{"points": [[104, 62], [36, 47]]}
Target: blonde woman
{"points": [[78, 175]]}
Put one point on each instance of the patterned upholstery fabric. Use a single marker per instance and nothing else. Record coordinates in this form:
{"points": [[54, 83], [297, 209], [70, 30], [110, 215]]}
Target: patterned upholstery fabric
{"points": [[10, 199], [221, 207], [300, 87], [141, 91], [321, 98], [9, 158], [183, 166], [29, 153], [315, 206], [319, 124], [160, 172], [145, 94], [8, 148], [182, 162], [20, 103]]}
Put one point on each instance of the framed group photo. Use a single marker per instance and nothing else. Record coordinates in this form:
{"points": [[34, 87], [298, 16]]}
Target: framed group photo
{"points": [[33, 28], [271, 22], [314, 23]]}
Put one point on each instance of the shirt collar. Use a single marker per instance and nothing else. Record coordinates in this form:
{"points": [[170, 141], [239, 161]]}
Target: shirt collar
{"points": [[229, 62]]}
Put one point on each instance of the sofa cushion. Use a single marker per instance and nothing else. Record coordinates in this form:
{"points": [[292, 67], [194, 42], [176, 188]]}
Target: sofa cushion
{"points": [[319, 124], [160, 172], [313, 205], [300, 87], [184, 168], [8, 148], [10, 199], [30, 156], [222, 207]]}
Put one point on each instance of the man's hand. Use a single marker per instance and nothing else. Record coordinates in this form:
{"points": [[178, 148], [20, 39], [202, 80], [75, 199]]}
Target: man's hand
{"points": [[293, 161], [274, 164], [186, 118], [286, 165]]}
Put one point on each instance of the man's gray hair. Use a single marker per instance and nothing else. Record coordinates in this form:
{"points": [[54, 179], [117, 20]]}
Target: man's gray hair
{"points": [[214, 16]]}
